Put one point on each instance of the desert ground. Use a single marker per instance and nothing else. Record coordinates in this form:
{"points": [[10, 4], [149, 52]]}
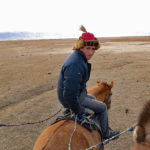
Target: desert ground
{"points": [[28, 80]]}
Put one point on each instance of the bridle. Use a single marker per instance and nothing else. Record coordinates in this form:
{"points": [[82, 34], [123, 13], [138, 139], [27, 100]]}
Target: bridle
{"points": [[108, 100]]}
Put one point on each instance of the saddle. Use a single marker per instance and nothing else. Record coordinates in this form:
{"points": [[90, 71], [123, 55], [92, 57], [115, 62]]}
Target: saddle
{"points": [[91, 123]]}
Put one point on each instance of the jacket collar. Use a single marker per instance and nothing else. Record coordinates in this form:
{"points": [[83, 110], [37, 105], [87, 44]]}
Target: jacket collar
{"points": [[82, 54]]}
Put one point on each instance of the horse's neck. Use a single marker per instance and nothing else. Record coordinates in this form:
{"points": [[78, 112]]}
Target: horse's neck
{"points": [[98, 92], [95, 90]]}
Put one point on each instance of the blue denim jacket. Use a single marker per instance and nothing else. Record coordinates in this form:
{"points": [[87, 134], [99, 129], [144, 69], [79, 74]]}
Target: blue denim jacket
{"points": [[72, 80]]}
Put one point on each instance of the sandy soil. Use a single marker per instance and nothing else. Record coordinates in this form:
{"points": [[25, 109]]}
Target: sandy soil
{"points": [[28, 81]]}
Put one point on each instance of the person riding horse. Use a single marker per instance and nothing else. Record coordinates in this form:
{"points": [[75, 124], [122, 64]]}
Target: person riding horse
{"points": [[74, 74]]}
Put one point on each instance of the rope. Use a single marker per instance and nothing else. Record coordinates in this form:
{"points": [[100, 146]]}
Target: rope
{"points": [[75, 126], [112, 138], [30, 123]]}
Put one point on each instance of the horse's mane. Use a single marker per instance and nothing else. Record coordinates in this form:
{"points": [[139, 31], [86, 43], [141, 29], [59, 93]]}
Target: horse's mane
{"points": [[99, 88], [106, 85]]}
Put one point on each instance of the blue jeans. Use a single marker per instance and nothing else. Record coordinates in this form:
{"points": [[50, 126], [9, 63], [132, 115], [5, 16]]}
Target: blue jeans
{"points": [[100, 109]]}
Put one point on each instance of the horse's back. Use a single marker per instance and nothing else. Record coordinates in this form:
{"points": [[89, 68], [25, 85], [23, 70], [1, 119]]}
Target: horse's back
{"points": [[57, 136], [46, 136]]}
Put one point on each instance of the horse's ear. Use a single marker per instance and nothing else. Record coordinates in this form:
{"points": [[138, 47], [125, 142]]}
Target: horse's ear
{"points": [[111, 84], [139, 134], [98, 82]]}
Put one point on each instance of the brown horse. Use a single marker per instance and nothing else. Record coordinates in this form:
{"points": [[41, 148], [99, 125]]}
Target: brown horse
{"points": [[141, 133], [57, 136]]}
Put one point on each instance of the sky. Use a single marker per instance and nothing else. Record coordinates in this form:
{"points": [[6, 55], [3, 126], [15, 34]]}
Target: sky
{"points": [[63, 17]]}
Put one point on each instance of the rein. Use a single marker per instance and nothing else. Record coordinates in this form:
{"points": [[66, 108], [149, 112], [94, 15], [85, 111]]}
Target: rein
{"points": [[112, 138], [30, 123], [109, 93], [75, 126]]}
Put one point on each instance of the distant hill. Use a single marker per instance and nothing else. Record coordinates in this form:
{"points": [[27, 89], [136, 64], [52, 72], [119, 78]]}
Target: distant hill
{"points": [[33, 36], [125, 38], [20, 35]]}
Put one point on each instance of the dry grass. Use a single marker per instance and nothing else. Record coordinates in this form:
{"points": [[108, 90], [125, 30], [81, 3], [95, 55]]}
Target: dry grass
{"points": [[28, 81]]}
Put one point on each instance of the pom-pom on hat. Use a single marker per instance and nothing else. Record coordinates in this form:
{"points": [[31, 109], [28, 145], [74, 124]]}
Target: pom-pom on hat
{"points": [[86, 39]]}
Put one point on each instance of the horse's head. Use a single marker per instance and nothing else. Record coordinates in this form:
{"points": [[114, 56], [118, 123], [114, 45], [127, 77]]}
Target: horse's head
{"points": [[105, 93], [102, 92]]}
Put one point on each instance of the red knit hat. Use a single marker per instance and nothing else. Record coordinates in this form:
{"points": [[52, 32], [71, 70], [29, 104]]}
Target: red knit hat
{"points": [[87, 39], [88, 36]]}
